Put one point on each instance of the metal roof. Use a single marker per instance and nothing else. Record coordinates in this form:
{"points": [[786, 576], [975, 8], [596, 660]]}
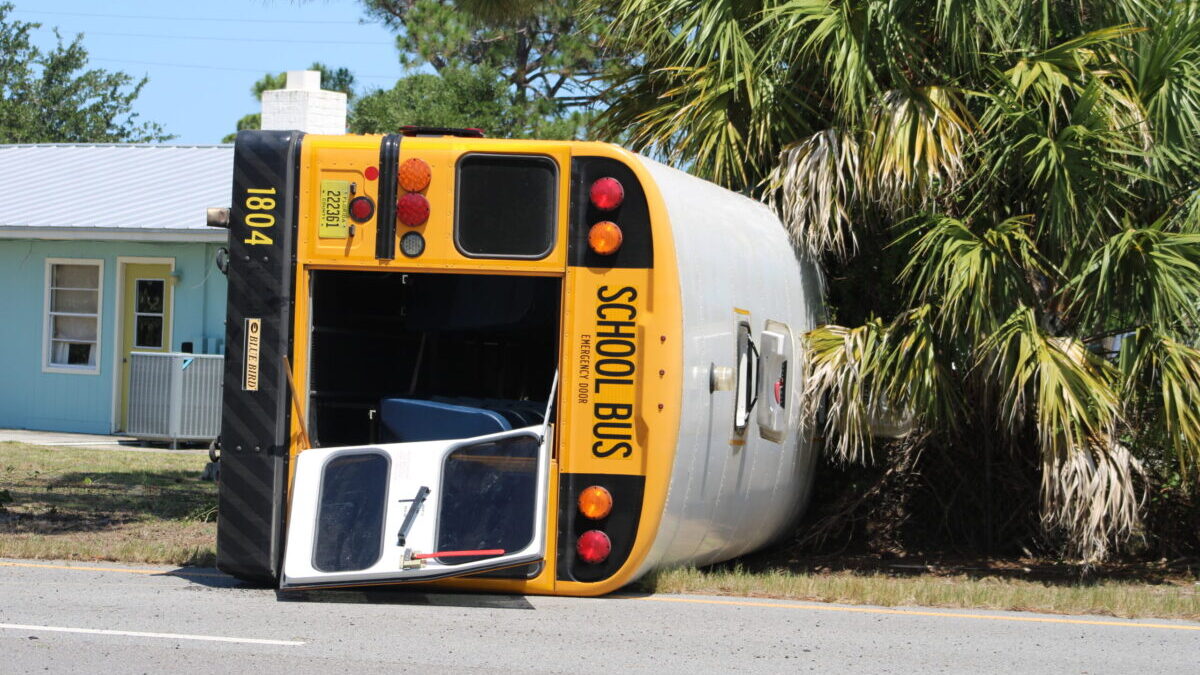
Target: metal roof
{"points": [[113, 191]]}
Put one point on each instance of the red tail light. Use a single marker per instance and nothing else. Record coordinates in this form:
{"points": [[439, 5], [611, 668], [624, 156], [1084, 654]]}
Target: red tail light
{"points": [[361, 209], [607, 193], [593, 546], [412, 209]]}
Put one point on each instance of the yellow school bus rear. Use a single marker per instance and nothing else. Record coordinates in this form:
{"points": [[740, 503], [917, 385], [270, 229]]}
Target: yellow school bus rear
{"points": [[442, 284]]}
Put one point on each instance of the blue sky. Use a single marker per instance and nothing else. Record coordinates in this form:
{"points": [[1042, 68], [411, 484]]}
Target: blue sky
{"points": [[203, 57]]}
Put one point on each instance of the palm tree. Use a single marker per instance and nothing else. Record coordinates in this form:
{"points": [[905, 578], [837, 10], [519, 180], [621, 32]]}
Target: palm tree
{"points": [[1006, 193]]}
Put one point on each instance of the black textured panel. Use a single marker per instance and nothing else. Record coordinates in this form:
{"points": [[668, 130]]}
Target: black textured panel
{"points": [[621, 525], [254, 422], [389, 175], [632, 216]]}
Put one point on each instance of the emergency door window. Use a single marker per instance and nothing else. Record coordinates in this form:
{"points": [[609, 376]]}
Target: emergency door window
{"points": [[488, 502], [506, 206], [774, 395], [417, 511], [349, 533]]}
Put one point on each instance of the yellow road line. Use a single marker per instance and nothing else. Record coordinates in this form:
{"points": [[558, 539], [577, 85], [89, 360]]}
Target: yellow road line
{"points": [[911, 612], [127, 570]]}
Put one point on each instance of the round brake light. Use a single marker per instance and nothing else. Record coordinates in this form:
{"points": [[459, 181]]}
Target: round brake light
{"points": [[361, 209], [595, 502], [412, 209], [607, 193], [593, 546]]}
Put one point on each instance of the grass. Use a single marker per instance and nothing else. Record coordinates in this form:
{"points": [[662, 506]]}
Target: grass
{"points": [[129, 506], [1178, 599], [121, 505]]}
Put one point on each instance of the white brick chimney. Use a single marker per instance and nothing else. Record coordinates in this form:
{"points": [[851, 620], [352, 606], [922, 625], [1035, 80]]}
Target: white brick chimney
{"points": [[304, 106]]}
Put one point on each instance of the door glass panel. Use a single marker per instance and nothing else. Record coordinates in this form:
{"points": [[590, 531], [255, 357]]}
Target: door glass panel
{"points": [[150, 297], [349, 534], [489, 498], [149, 331]]}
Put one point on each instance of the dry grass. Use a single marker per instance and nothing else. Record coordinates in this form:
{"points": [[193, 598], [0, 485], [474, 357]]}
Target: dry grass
{"points": [[81, 504], [78, 504], [1179, 600]]}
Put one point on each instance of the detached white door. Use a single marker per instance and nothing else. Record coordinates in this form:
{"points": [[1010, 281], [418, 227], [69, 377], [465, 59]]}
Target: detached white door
{"points": [[417, 511]]}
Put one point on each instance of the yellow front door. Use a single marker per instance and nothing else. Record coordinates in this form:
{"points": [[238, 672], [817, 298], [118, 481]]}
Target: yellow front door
{"points": [[146, 318]]}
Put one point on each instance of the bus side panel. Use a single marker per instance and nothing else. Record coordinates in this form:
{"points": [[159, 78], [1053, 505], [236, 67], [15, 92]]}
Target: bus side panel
{"points": [[255, 419], [731, 492]]}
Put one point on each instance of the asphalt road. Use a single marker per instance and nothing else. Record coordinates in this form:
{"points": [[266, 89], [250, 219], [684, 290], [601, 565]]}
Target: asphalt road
{"points": [[59, 617]]}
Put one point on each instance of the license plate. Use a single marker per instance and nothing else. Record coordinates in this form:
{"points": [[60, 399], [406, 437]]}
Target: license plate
{"points": [[335, 209]]}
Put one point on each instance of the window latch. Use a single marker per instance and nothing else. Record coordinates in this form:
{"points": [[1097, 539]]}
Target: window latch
{"points": [[411, 516]]}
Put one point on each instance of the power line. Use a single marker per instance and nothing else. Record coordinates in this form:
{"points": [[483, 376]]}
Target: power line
{"points": [[226, 68], [182, 18], [236, 39]]}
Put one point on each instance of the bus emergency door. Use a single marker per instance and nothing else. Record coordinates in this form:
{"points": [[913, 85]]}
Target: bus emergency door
{"points": [[418, 511]]}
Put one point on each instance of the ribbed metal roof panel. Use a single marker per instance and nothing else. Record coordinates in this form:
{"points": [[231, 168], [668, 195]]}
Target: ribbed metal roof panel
{"points": [[113, 185]]}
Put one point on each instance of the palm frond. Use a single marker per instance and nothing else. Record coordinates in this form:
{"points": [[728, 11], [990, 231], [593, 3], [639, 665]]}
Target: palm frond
{"points": [[918, 142], [1140, 276], [842, 364], [1156, 362], [1071, 395], [832, 35], [1091, 495], [813, 188], [877, 376], [978, 278]]}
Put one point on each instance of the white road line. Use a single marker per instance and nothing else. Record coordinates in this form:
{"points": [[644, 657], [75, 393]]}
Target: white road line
{"points": [[169, 636]]}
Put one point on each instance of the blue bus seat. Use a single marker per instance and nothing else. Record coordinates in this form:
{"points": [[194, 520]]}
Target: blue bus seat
{"points": [[519, 413], [406, 420]]}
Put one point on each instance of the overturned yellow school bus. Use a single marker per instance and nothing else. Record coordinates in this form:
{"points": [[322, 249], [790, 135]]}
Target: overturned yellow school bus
{"points": [[516, 366]]}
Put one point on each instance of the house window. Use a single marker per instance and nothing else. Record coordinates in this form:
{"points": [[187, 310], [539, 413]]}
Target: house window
{"points": [[73, 315]]}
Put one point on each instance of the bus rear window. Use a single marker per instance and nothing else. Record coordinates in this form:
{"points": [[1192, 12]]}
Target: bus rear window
{"points": [[506, 206]]}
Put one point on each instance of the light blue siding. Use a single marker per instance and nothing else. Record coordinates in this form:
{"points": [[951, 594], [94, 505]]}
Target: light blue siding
{"points": [[33, 399]]}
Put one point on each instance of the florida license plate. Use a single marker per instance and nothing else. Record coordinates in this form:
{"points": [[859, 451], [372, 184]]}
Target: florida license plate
{"points": [[335, 209]]}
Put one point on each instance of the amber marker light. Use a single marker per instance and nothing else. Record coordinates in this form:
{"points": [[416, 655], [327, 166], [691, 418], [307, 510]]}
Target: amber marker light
{"points": [[414, 175], [593, 547], [412, 209], [595, 502], [605, 237]]}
